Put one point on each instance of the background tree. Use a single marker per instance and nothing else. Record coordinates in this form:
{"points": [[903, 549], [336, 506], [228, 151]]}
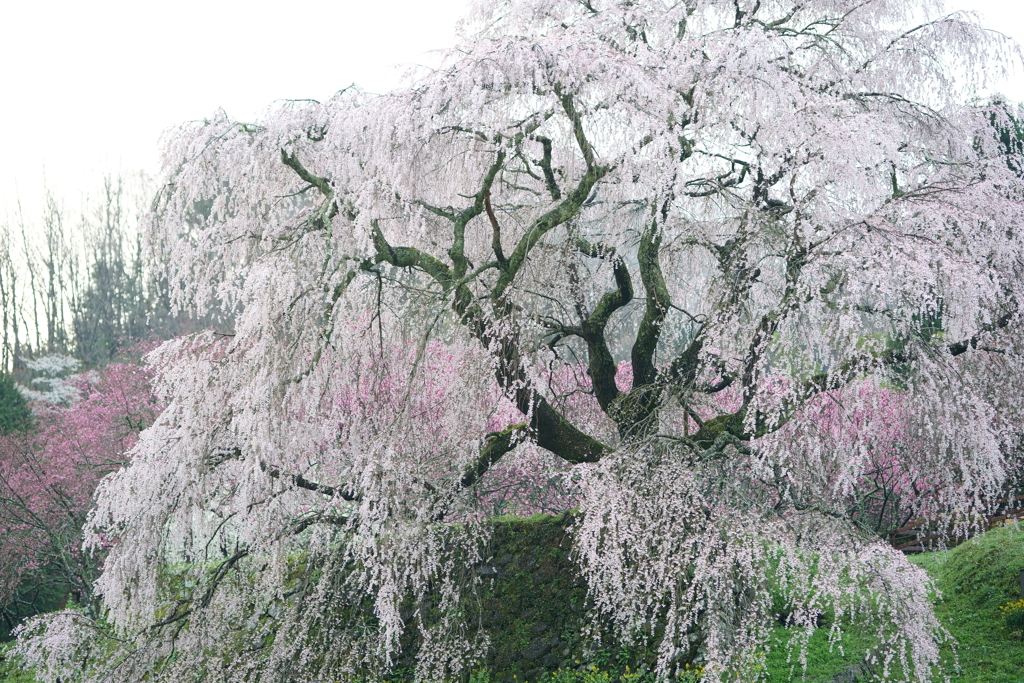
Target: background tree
{"points": [[47, 478], [74, 290], [80, 285], [14, 411], [762, 206]]}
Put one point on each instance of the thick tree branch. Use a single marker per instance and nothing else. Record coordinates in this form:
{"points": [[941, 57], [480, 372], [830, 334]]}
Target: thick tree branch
{"points": [[656, 306], [549, 427], [637, 412], [409, 257], [316, 181], [496, 445], [565, 211], [457, 252], [320, 220], [545, 165], [495, 232], [601, 364]]}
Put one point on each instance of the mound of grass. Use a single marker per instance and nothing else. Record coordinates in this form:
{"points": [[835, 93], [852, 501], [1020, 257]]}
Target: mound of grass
{"points": [[986, 568], [976, 579]]}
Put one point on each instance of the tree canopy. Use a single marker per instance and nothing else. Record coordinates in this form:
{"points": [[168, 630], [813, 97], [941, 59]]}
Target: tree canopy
{"points": [[669, 264]]}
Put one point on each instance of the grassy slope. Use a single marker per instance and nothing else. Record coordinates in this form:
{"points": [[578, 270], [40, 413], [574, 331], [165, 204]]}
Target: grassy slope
{"points": [[976, 578], [824, 659]]}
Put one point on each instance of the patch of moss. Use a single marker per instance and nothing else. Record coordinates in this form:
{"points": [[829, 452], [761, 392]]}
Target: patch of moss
{"points": [[532, 603]]}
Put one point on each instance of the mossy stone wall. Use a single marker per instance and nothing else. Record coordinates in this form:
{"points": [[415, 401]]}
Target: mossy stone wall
{"points": [[533, 605]]}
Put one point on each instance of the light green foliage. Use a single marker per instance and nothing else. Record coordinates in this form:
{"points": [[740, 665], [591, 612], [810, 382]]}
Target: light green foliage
{"points": [[591, 675], [10, 672], [691, 674], [594, 674]]}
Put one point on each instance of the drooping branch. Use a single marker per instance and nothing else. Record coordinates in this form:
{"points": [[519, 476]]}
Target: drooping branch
{"points": [[867, 362], [184, 608], [964, 345], [274, 472], [861, 365], [770, 321]]}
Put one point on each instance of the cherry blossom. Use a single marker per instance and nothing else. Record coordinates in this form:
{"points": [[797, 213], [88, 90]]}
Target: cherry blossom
{"points": [[787, 216]]}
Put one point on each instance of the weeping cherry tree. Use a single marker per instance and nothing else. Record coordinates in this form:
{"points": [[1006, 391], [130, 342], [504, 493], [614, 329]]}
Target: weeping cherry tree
{"points": [[618, 253]]}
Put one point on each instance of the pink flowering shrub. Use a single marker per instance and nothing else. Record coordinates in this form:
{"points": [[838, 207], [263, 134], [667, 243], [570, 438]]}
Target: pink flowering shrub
{"points": [[861, 443], [869, 430], [48, 476]]}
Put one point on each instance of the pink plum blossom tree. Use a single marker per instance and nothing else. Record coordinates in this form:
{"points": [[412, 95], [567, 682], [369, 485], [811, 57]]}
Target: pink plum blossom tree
{"points": [[773, 209], [48, 474]]}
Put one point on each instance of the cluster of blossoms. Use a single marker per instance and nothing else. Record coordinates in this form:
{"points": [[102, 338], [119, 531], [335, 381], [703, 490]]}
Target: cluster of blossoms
{"points": [[49, 473]]}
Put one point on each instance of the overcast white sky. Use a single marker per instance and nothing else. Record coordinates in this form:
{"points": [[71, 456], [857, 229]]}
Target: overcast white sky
{"points": [[86, 87]]}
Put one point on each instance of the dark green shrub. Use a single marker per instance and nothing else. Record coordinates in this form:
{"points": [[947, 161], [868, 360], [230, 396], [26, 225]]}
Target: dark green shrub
{"points": [[14, 411]]}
